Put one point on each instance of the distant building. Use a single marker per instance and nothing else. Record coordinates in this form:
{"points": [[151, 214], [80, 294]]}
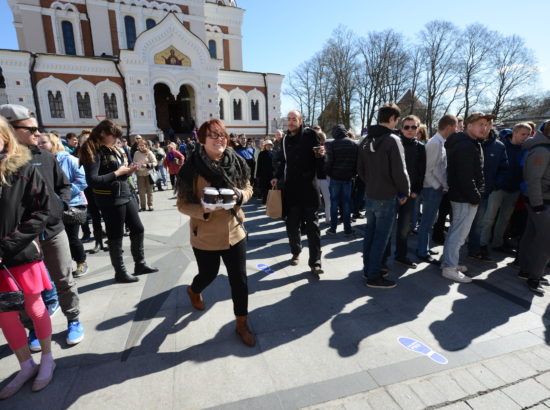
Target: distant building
{"points": [[149, 65], [410, 104]]}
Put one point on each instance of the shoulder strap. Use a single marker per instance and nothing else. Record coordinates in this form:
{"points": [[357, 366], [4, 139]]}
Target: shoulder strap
{"points": [[9, 273]]}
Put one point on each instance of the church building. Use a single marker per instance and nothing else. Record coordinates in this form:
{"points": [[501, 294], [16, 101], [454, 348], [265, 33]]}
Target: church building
{"points": [[152, 66]]}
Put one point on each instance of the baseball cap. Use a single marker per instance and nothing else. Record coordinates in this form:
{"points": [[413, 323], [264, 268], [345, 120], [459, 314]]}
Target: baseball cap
{"points": [[473, 117], [13, 112]]}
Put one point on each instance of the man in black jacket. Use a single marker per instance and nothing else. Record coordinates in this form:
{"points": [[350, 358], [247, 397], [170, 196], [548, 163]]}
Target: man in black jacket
{"points": [[415, 159], [54, 241], [466, 186], [302, 151], [381, 165], [341, 167]]}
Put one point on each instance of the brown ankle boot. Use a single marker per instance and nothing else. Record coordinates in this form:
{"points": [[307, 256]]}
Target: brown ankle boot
{"points": [[244, 332], [195, 298]]}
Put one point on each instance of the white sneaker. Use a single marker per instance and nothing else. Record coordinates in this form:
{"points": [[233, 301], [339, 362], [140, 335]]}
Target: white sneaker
{"points": [[462, 268], [453, 274]]}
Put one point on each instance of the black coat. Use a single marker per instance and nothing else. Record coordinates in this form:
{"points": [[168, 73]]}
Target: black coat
{"points": [[300, 187], [24, 206], [59, 188], [341, 158], [108, 189], [464, 169], [415, 158], [264, 171]]}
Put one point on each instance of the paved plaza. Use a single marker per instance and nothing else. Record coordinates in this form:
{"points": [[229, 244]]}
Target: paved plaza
{"points": [[321, 343]]}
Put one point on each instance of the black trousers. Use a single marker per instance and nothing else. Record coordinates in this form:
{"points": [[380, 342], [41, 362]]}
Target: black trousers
{"points": [[294, 218], [439, 226], [94, 211], [75, 244], [173, 180], [116, 215], [234, 260]]}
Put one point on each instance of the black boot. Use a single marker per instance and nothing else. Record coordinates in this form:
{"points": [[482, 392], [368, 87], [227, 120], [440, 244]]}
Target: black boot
{"points": [[136, 246], [115, 252]]}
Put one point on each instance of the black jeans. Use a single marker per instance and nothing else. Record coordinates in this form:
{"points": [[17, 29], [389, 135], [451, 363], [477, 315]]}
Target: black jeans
{"points": [[173, 180], [75, 244], [439, 226], [116, 215], [404, 217], [294, 218], [94, 211], [234, 259]]}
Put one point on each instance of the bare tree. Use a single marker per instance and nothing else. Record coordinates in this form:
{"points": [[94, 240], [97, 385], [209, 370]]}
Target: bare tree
{"points": [[382, 72], [340, 54], [302, 89], [473, 61], [438, 41], [514, 66]]}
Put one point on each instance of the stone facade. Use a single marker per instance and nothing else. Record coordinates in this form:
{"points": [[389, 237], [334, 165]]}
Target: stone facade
{"points": [[149, 65]]}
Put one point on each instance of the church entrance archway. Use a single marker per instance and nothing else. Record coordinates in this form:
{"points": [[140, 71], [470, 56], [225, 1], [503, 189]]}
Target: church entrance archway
{"points": [[175, 115]]}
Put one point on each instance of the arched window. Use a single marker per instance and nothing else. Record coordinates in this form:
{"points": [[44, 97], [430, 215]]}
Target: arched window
{"points": [[212, 47], [255, 110], [84, 105], [150, 23], [111, 110], [237, 110], [56, 104], [130, 26], [221, 109], [68, 37]]}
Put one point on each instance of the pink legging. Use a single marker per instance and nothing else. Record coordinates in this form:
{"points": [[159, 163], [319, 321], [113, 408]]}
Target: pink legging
{"points": [[13, 329]]}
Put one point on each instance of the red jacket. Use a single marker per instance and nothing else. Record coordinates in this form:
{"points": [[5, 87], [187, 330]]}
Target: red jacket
{"points": [[173, 167]]}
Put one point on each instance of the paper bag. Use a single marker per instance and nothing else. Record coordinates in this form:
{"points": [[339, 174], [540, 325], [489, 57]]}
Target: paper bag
{"points": [[274, 204]]}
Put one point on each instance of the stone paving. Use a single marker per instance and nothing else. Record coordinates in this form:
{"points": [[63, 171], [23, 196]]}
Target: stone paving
{"points": [[321, 343]]}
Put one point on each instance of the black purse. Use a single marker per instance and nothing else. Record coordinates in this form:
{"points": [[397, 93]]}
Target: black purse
{"points": [[75, 215], [12, 301]]}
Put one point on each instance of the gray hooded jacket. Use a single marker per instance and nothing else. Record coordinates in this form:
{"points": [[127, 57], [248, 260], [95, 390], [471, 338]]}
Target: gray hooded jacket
{"points": [[536, 170]]}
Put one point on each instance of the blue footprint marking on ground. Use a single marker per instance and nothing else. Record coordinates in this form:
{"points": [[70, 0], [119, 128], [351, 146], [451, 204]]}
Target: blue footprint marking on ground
{"points": [[419, 347], [265, 268]]}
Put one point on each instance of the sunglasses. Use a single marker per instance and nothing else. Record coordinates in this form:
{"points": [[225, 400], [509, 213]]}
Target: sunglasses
{"points": [[410, 127], [216, 136], [32, 130]]}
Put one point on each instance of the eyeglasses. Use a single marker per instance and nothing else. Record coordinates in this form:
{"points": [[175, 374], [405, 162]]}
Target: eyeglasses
{"points": [[32, 130], [410, 127], [216, 136]]}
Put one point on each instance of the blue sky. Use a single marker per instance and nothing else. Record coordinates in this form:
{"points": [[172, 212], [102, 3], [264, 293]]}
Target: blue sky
{"points": [[279, 35]]}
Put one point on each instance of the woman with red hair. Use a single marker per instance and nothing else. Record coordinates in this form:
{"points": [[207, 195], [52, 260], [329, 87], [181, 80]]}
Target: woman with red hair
{"points": [[217, 232]]}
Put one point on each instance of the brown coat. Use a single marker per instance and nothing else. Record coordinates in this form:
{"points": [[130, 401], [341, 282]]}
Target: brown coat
{"points": [[216, 230]]}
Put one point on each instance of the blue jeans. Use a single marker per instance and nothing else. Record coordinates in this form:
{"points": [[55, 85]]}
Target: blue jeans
{"points": [[49, 296], [502, 203], [404, 214], [340, 193], [474, 238], [463, 216], [380, 214], [431, 198], [162, 170]]}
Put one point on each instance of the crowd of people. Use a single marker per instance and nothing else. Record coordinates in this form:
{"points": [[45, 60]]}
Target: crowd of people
{"points": [[493, 185]]}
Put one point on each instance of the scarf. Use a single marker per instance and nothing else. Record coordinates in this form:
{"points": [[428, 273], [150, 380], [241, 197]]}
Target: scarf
{"points": [[231, 171]]}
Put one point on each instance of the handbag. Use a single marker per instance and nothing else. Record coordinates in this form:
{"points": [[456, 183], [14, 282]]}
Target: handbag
{"points": [[274, 204], [154, 176], [12, 301], [75, 215]]}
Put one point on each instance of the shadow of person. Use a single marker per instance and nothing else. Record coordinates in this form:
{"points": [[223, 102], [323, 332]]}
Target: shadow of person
{"points": [[481, 311], [386, 308], [307, 307]]}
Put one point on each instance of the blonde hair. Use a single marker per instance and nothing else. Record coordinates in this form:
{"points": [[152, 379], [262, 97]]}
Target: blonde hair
{"points": [[57, 145], [422, 133], [16, 154], [144, 143], [173, 145]]}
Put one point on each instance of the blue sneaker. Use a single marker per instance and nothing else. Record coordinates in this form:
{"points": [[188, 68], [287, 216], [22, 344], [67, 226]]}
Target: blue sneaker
{"points": [[75, 333], [34, 344], [53, 308]]}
